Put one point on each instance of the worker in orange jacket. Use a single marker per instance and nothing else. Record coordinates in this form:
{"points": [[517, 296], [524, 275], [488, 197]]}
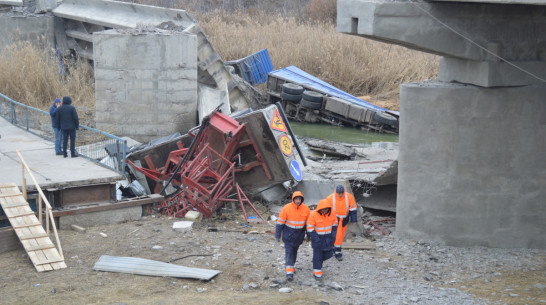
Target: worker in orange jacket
{"points": [[344, 205], [291, 223], [322, 226]]}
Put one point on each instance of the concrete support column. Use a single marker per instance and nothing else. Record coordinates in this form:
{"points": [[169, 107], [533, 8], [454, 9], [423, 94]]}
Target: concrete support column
{"points": [[472, 165], [145, 83]]}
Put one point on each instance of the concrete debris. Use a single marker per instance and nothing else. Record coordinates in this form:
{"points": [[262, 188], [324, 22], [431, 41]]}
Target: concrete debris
{"points": [[183, 226], [193, 216]]}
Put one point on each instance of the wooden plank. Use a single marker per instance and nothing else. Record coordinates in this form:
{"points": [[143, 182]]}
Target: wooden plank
{"points": [[109, 205], [23, 214], [13, 205], [41, 251], [358, 246], [31, 236], [8, 195], [50, 253], [6, 185], [26, 225], [40, 247]]}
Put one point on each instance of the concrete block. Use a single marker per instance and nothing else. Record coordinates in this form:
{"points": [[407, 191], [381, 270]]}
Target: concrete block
{"points": [[491, 74], [44, 6], [100, 218], [193, 216], [183, 226], [514, 28], [155, 82], [39, 29], [471, 165]]}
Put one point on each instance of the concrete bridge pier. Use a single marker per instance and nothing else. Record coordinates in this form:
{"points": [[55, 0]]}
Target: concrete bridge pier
{"points": [[472, 163]]}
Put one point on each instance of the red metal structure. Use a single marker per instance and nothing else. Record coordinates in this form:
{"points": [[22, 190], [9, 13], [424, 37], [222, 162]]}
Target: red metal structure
{"points": [[204, 173]]}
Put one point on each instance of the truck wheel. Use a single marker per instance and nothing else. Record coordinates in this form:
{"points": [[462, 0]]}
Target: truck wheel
{"points": [[290, 97], [292, 88], [311, 105], [312, 96], [385, 118]]}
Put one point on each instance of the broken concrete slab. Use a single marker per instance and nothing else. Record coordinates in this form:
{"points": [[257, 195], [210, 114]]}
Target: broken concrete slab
{"points": [[210, 99], [100, 218]]}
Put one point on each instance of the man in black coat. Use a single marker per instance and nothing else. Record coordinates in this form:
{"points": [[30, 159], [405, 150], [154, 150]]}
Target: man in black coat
{"points": [[68, 122]]}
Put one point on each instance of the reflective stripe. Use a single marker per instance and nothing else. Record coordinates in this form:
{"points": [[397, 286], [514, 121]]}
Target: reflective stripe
{"points": [[317, 272], [281, 221], [322, 229], [346, 204], [289, 269], [295, 227], [324, 233], [296, 222]]}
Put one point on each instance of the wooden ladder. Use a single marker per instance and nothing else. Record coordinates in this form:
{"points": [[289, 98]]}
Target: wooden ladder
{"points": [[41, 250]]}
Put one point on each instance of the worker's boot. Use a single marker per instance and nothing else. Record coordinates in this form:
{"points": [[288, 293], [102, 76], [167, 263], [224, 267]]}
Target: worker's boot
{"points": [[290, 277], [339, 257]]}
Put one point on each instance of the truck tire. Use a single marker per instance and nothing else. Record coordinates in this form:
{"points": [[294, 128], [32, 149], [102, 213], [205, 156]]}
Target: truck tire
{"points": [[290, 97], [292, 88], [385, 118], [312, 96], [311, 105]]}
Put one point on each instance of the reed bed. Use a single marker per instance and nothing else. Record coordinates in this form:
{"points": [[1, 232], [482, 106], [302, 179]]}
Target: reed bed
{"points": [[354, 64], [305, 38], [31, 74]]}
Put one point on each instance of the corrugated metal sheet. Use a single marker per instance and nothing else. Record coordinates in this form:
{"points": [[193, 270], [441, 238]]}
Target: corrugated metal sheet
{"points": [[141, 266], [253, 68], [298, 76]]}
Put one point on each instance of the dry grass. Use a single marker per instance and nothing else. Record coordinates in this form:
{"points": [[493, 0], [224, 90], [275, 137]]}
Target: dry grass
{"points": [[31, 75], [356, 65]]}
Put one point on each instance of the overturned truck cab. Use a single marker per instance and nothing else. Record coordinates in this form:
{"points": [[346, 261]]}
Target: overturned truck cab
{"points": [[220, 158]]}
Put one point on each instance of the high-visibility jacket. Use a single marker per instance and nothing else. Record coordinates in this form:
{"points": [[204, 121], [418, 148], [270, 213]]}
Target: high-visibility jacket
{"points": [[322, 228], [344, 206], [291, 221]]}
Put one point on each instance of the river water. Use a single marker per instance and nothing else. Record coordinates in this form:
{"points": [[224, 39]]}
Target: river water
{"points": [[340, 134]]}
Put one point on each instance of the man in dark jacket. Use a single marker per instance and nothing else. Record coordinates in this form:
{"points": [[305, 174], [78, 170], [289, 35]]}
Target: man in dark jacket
{"points": [[68, 122], [56, 129], [291, 223]]}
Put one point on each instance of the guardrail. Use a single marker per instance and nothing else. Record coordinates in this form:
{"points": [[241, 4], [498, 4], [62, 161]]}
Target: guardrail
{"points": [[101, 147]]}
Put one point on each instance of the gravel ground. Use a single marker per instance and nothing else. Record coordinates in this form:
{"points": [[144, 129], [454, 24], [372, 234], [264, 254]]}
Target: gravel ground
{"points": [[252, 265]]}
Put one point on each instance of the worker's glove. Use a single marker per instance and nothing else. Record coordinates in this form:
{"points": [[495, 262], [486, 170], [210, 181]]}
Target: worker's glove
{"points": [[307, 238], [278, 240], [345, 221]]}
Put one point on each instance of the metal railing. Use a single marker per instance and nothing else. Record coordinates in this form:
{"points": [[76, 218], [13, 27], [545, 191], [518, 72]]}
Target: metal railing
{"points": [[101, 147]]}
